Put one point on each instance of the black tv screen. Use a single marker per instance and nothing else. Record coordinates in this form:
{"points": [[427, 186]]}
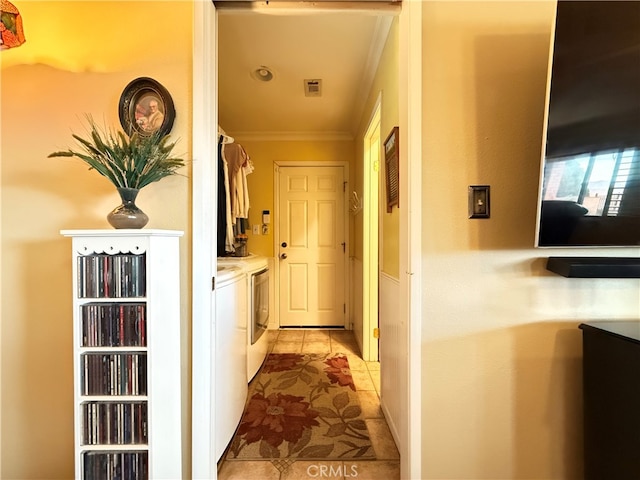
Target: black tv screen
{"points": [[590, 178]]}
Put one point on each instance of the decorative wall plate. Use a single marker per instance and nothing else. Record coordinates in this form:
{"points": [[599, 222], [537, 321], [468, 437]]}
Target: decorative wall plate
{"points": [[146, 108], [392, 168]]}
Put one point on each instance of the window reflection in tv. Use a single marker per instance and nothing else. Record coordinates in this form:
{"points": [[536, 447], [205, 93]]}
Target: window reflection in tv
{"points": [[590, 193]]}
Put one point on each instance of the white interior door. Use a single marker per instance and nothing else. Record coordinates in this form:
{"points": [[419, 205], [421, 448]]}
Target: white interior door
{"points": [[312, 246]]}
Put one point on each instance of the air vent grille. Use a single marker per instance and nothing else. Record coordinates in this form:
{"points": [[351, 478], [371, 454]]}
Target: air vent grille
{"points": [[312, 87]]}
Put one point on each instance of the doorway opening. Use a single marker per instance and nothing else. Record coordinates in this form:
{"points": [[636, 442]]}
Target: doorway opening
{"points": [[205, 117], [370, 237], [277, 122]]}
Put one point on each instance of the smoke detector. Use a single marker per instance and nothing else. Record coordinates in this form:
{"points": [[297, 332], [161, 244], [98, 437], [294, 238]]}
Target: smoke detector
{"points": [[262, 74], [313, 87]]}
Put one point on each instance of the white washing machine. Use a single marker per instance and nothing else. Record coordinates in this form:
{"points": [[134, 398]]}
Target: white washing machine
{"points": [[230, 361], [256, 268]]}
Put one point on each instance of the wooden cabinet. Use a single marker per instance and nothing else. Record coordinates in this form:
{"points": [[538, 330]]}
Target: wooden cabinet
{"points": [[126, 337], [611, 365]]}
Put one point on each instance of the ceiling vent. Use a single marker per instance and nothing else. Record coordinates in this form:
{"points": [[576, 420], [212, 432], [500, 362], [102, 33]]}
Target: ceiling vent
{"points": [[313, 87]]}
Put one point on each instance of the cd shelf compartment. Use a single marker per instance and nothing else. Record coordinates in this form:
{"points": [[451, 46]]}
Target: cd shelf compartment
{"points": [[127, 384]]}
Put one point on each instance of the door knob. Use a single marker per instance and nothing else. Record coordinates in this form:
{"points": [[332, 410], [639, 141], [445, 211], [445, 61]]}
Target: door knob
{"points": [[283, 256]]}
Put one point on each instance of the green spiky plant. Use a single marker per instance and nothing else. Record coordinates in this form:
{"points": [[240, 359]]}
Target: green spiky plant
{"points": [[127, 161]]}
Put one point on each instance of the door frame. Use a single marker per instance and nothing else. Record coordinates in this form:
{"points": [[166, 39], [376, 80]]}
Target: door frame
{"points": [[370, 243], [203, 263], [410, 109], [276, 221]]}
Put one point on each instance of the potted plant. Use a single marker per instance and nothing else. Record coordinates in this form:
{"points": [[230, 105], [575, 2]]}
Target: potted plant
{"points": [[129, 162]]}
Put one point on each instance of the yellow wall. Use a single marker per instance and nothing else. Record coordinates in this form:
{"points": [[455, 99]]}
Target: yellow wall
{"points": [[264, 154], [501, 348], [78, 58], [386, 84]]}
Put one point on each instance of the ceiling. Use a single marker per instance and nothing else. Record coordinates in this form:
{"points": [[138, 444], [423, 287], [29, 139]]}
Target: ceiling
{"points": [[341, 48]]}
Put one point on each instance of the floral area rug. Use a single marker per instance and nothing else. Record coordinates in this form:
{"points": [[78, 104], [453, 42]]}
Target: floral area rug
{"points": [[302, 407]]}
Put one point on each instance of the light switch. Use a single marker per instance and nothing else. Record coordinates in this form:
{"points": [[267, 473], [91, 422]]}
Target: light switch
{"points": [[256, 229], [479, 201]]}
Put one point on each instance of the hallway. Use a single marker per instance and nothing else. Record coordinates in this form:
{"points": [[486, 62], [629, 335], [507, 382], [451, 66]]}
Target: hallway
{"points": [[366, 376]]}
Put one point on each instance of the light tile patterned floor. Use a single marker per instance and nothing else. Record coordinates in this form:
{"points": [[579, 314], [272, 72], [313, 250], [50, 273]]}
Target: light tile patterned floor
{"points": [[366, 376]]}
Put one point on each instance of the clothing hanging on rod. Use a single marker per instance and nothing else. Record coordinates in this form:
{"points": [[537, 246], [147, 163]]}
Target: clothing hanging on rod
{"points": [[240, 166], [222, 205], [234, 165], [229, 236]]}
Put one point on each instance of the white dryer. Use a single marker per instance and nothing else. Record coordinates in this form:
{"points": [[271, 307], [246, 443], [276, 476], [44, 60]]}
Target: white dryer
{"points": [[256, 268], [231, 353]]}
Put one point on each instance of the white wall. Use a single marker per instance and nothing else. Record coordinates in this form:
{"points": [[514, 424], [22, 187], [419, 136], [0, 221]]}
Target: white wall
{"points": [[392, 401], [355, 302], [501, 348]]}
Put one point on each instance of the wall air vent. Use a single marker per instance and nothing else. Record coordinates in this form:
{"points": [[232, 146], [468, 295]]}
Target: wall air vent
{"points": [[313, 87]]}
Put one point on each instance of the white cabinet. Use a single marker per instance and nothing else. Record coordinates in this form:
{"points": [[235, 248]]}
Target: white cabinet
{"points": [[126, 337], [231, 354]]}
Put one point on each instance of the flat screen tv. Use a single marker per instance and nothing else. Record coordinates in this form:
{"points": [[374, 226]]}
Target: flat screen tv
{"points": [[590, 176]]}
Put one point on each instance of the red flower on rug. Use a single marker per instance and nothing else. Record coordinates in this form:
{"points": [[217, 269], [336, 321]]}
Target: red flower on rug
{"points": [[338, 371], [282, 362], [276, 418]]}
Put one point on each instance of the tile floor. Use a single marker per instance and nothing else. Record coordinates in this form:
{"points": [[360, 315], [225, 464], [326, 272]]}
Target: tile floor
{"points": [[366, 376]]}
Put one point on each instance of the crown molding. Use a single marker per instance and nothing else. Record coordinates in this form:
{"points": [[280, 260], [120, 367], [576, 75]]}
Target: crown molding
{"points": [[293, 136]]}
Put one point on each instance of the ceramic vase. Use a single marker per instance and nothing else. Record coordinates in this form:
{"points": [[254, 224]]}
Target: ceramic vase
{"points": [[127, 215]]}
